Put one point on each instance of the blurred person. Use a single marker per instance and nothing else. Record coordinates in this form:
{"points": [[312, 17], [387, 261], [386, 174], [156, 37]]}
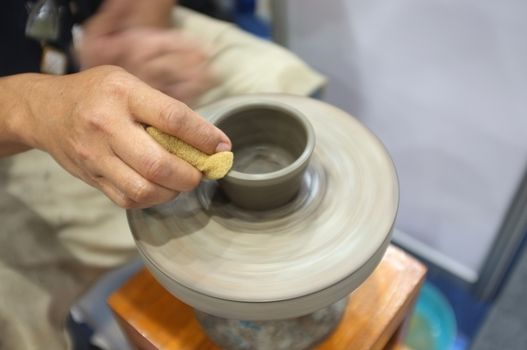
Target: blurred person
{"points": [[140, 62], [137, 36]]}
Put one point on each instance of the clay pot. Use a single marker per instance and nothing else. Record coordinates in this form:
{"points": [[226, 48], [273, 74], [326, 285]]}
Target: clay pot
{"points": [[272, 144]]}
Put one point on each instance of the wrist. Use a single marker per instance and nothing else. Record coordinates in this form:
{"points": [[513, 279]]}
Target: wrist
{"points": [[25, 99], [13, 114]]}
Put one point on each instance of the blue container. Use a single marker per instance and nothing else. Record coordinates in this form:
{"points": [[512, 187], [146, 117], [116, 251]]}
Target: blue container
{"points": [[433, 324]]}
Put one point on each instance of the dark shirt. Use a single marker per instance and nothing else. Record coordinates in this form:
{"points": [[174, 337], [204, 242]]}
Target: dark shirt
{"points": [[20, 54]]}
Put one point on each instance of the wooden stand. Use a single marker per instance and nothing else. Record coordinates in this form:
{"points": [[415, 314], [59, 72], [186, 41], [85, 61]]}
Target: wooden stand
{"points": [[374, 319]]}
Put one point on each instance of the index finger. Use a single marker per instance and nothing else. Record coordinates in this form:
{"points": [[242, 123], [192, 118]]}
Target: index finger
{"points": [[152, 107]]}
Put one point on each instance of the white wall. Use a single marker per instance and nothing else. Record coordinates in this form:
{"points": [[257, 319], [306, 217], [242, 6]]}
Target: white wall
{"points": [[444, 84]]}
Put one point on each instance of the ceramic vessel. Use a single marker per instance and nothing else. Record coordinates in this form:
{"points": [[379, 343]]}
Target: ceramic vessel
{"points": [[273, 144], [294, 256]]}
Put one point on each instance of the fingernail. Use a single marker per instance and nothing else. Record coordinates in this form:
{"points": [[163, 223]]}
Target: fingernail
{"points": [[223, 146]]}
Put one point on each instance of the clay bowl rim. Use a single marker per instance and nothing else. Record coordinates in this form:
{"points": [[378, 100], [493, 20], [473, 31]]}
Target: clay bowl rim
{"points": [[289, 170]]}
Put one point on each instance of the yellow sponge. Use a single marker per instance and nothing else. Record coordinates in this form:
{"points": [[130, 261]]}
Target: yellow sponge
{"points": [[213, 166]]}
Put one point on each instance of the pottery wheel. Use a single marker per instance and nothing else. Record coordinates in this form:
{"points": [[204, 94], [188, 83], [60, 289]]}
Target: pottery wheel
{"points": [[288, 261]]}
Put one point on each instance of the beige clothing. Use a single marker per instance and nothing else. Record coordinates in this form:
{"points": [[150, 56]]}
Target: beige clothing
{"points": [[58, 234], [246, 64]]}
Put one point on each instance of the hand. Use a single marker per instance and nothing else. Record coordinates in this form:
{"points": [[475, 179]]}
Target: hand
{"points": [[165, 59], [92, 124]]}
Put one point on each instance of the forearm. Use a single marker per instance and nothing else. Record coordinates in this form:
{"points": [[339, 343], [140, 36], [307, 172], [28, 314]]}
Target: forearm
{"points": [[15, 111]]}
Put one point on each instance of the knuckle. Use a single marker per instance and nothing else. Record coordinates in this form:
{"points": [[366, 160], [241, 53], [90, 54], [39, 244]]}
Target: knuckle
{"points": [[98, 121], [155, 169], [141, 192], [125, 202], [116, 84], [195, 180], [192, 182], [174, 116], [114, 195], [117, 88], [121, 201]]}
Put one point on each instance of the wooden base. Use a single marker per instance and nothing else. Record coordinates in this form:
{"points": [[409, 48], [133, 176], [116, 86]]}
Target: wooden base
{"points": [[374, 319]]}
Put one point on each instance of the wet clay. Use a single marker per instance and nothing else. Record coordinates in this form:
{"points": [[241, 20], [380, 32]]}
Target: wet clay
{"points": [[214, 166]]}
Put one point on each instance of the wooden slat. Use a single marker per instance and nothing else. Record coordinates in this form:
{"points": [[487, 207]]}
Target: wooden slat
{"points": [[154, 319]]}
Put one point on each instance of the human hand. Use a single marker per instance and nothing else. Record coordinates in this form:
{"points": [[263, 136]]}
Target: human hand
{"points": [[92, 123], [166, 59]]}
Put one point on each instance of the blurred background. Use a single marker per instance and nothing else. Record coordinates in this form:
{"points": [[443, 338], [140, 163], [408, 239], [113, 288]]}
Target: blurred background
{"points": [[444, 86]]}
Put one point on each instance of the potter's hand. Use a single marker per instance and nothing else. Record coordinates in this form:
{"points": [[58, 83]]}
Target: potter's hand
{"points": [[92, 124], [162, 57]]}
